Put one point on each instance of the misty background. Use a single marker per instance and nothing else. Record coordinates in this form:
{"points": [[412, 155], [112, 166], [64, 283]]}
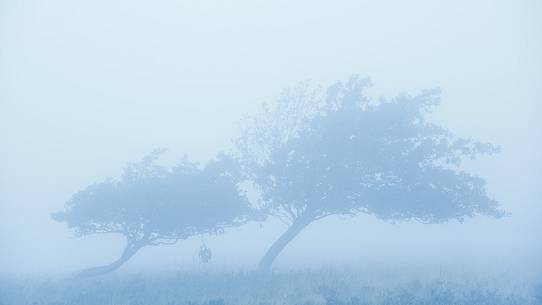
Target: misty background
{"points": [[86, 87]]}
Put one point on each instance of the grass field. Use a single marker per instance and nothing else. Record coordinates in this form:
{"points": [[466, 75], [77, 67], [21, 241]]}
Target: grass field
{"points": [[294, 287]]}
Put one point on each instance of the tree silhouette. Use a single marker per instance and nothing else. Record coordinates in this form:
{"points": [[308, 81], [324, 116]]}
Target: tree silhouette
{"points": [[315, 154], [151, 205]]}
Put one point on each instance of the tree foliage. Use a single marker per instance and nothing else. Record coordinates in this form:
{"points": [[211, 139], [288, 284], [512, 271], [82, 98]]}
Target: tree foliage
{"points": [[150, 204], [316, 154]]}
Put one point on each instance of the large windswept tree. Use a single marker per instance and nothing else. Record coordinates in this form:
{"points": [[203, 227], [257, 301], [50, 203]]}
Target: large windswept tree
{"points": [[315, 154], [152, 205]]}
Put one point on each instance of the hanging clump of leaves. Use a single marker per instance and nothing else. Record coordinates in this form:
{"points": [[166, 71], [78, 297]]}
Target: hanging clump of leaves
{"points": [[204, 254]]}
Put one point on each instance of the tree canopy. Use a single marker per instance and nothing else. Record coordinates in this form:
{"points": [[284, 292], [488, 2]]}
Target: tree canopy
{"points": [[151, 205], [315, 154]]}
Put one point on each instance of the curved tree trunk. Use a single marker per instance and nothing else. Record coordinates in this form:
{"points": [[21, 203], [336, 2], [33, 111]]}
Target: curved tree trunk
{"points": [[297, 226], [128, 252]]}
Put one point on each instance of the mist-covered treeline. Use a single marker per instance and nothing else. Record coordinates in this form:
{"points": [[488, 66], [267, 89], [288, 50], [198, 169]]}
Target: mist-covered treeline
{"points": [[311, 155]]}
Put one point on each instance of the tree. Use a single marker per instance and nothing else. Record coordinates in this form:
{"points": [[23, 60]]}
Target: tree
{"points": [[151, 205], [316, 154]]}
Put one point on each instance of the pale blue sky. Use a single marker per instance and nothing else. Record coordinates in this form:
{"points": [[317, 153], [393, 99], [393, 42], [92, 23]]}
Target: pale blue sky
{"points": [[86, 86]]}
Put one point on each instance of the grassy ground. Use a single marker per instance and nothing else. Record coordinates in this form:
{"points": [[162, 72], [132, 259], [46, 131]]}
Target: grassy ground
{"points": [[296, 287]]}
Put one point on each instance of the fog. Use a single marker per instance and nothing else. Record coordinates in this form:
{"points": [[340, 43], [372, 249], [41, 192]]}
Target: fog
{"points": [[87, 87]]}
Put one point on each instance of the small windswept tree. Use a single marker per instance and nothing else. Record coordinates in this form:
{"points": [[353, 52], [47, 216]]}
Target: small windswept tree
{"points": [[317, 154], [152, 205]]}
